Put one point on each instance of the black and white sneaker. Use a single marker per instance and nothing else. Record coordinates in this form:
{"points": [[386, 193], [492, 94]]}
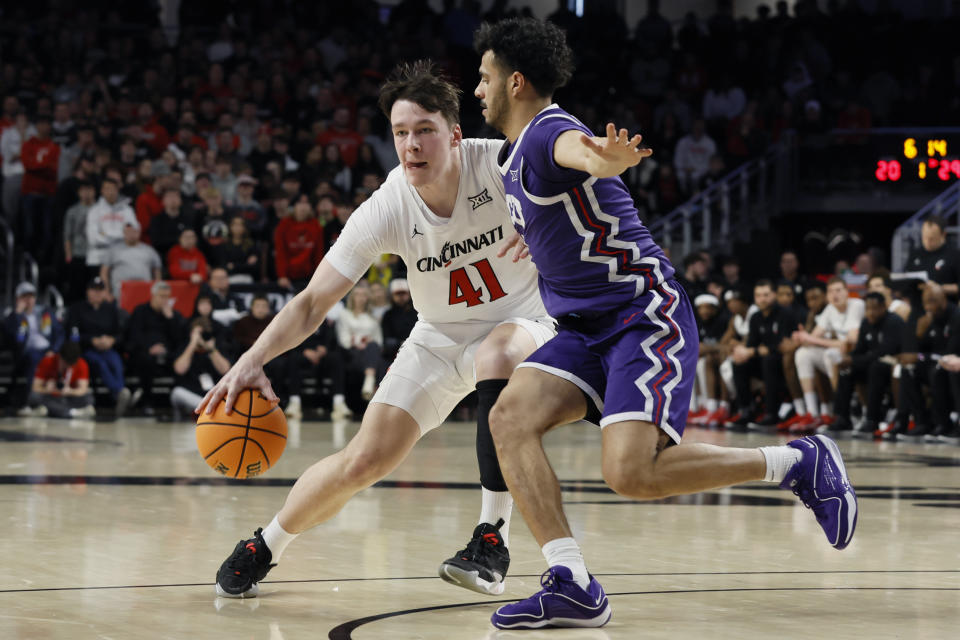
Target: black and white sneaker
{"points": [[936, 434], [247, 565], [951, 435], [482, 565]]}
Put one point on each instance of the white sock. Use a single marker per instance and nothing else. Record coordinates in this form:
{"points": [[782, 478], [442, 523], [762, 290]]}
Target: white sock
{"points": [[277, 539], [826, 409], [339, 400], [295, 399], [712, 404], [725, 405], [779, 461], [494, 506], [566, 552], [810, 398], [799, 406]]}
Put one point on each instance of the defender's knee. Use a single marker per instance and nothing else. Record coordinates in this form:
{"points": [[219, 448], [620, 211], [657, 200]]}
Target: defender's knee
{"points": [[632, 481], [512, 421], [504, 422]]}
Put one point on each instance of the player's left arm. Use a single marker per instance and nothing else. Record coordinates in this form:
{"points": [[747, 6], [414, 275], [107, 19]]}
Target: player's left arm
{"points": [[603, 157]]}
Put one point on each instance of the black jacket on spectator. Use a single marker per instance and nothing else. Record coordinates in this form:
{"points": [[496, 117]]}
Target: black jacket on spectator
{"points": [[200, 364], [877, 340], [771, 329], [258, 160], [797, 313], [942, 266], [711, 332], [91, 323], [692, 288], [397, 323], [229, 301], [234, 257], [148, 327], [943, 334], [324, 336], [165, 231]]}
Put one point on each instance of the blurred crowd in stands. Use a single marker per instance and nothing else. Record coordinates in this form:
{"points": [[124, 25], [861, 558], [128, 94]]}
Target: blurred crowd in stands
{"points": [[232, 149], [860, 352]]}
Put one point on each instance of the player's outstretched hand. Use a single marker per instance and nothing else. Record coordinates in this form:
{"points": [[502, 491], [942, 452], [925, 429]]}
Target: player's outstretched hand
{"points": [[242, 375], [614, 154], [515, 242]]}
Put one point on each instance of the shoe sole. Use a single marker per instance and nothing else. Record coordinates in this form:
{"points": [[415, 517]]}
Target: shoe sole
{"points": [[249, 593], [910, 438], [849, 497], [598, 621], [469, 580]]}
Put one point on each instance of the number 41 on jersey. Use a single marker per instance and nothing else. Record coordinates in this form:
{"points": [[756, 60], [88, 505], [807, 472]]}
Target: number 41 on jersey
{"points": [[462, 289]]}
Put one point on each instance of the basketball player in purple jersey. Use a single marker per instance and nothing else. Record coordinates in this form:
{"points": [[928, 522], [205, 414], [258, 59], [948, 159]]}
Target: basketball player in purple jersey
{"points": [[626, 352]]}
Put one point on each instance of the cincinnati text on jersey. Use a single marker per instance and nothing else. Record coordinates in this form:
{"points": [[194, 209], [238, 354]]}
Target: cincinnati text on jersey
{"points": [[455, 250]]}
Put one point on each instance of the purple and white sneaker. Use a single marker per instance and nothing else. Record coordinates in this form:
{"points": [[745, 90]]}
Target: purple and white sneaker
{"points": [[561, 603], [820, 480]]}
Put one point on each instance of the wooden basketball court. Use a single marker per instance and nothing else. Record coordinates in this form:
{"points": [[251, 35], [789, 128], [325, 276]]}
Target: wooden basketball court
{"points": [[116, 530]]}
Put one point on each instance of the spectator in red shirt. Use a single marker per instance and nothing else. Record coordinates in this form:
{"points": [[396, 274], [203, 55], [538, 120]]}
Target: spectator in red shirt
{"points": [[341, 134], [214, 87], [187, 137], [148, 130], [149, 204], [61, 385], [41, 161], [185, 261], [298, 243]]}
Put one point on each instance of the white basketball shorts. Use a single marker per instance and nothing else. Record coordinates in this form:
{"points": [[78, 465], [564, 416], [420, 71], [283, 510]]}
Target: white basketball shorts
{"points": [[434, 369]]}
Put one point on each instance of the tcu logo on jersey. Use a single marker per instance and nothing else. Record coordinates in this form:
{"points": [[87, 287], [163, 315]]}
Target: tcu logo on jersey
{"points": [[516, 212]]}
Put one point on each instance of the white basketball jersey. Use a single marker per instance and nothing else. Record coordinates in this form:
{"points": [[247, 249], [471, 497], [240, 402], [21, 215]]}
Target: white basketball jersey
{"points": [[452, 264]]}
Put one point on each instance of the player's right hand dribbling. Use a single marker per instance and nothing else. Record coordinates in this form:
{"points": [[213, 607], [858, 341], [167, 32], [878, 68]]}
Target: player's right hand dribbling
{"points": [[242, 375]]}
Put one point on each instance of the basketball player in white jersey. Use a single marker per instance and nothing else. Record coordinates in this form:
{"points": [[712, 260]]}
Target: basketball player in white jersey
{"points": [[443, 210]]}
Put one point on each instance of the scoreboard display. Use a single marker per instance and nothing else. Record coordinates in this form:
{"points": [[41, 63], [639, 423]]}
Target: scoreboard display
{"points": [[931, 159]]}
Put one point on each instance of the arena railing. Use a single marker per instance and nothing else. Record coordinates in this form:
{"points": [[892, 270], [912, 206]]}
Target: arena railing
{"points": [[29, 270], [54, 299], [907, 235], [7, 247], [730, 208]]}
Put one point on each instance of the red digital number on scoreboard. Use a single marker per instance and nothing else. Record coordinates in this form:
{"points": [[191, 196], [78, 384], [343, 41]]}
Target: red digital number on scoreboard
{"points": [[946, 169], [888, 170]]}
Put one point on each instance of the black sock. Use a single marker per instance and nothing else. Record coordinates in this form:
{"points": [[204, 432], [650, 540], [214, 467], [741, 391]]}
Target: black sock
{"points": [[487, 393]]}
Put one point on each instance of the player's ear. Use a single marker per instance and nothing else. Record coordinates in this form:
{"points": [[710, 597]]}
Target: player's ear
{"points": [[516, 83], [456, 135]]}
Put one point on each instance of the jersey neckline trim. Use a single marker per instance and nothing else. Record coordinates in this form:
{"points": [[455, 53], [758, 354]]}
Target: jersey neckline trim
{"points": [[516, 145]]}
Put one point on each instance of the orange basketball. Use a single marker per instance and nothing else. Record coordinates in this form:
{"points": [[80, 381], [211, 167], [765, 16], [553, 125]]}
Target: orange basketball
{"points": [[245, 443]]}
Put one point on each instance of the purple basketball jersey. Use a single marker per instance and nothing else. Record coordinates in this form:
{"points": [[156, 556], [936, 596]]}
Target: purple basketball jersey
{"points": [[565, 214]]}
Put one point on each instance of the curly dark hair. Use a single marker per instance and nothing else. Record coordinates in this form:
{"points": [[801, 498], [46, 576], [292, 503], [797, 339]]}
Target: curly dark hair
{"points": [[535, 48], [422, 83], [70, 352]]}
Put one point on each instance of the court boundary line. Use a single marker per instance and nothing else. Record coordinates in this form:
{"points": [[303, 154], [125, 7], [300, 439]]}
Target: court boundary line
{"points": [[518, 575], [344, 631]]}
